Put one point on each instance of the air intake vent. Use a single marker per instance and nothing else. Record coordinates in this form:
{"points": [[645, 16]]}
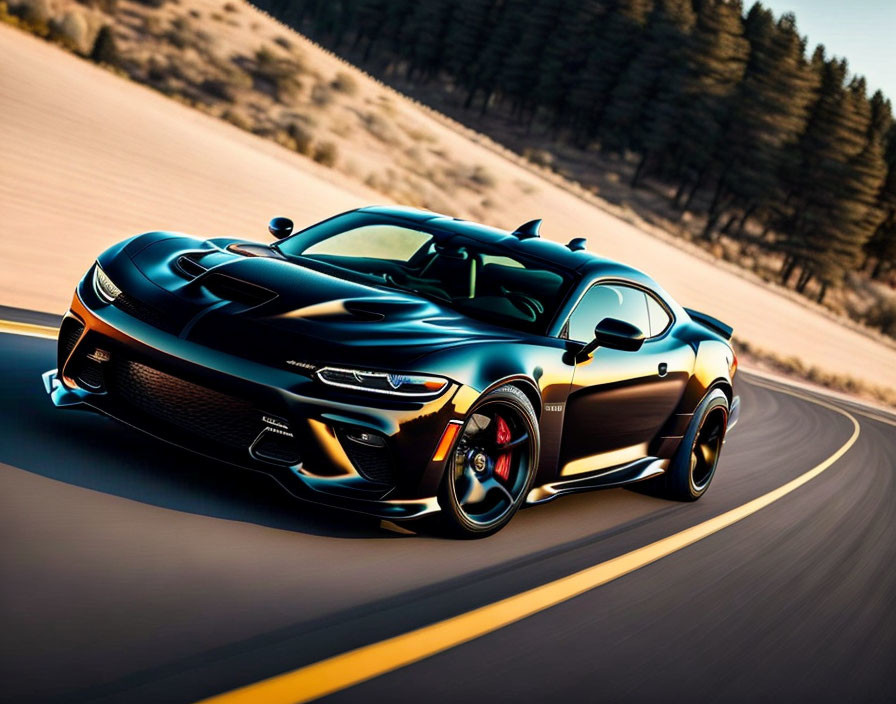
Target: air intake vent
{"points": [[232, 289], [369, 453], [69, 333]]}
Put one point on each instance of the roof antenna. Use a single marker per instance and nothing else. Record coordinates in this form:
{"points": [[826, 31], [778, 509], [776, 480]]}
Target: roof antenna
{"points": [[527, 230], [577, 244]]}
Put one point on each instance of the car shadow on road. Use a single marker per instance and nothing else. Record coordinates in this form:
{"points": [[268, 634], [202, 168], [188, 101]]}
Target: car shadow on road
{"points": [[94, 452]]}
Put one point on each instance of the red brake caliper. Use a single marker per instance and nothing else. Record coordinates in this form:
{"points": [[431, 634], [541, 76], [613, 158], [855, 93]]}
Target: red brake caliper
{"points": [[502, 466]]}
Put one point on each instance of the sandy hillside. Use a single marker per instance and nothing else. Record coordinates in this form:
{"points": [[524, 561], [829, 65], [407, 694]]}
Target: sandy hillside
{"points": [[88, 158]]}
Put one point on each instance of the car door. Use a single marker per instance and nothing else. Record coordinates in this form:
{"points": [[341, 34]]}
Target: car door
{"points": [[619, 400]]}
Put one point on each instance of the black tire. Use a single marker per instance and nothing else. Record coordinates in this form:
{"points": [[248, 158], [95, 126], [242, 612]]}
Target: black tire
{"points": [[694, 464], [476, 500]]}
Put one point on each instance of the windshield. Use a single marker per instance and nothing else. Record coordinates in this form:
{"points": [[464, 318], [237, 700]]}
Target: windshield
{"points": [[478, 279]]}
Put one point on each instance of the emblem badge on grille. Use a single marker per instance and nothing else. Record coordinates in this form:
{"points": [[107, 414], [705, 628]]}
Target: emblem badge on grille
{"points": [[99, 355]]}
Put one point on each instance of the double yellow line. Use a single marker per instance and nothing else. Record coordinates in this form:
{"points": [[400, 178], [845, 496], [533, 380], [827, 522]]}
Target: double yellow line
{"points": [[347, 669], [342, 671]]}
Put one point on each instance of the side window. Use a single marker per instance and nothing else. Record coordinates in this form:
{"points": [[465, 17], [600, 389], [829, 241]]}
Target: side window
{"points": [[659, 318], [608, 301]]}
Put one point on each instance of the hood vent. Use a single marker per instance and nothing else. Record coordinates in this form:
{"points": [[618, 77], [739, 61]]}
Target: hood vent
{"points": [[232, 289], [190, 267]]}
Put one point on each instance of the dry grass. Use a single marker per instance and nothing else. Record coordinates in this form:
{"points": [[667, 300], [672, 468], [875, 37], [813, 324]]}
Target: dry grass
{"points": [[794, 367]]}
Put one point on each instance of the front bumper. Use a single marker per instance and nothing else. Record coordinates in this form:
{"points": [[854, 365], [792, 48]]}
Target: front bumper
{"points": [[277, 421]]}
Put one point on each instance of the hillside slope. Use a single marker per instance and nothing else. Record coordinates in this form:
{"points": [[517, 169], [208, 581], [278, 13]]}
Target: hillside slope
{"points": [[88, 158]]}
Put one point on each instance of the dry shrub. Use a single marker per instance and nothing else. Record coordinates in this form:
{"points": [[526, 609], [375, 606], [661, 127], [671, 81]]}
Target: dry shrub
{"points": [[303, 138], [380, 128], [151, 3], [238, 119], [230, 7], [283, 42], [345, 83], [321, 95], [882, 315], [219, 89], [180, 34], [326, 153], [483, 177], [34, 14], [276, 76], [539, 157], [105, 48], [71, 31]]}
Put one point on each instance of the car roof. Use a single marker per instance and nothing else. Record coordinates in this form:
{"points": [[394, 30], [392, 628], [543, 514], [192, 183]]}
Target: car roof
{"points": [[586, 264]]}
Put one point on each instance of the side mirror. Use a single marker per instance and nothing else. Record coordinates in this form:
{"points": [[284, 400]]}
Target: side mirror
{"points": [[615, 334], [280, 228]]}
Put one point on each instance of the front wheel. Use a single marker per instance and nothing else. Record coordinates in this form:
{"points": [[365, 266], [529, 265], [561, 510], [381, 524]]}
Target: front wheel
{"points": [[694, 464], [492, 465]]}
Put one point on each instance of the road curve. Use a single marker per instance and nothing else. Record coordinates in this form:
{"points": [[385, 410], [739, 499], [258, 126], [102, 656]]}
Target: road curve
{"points": [[135, 572]]}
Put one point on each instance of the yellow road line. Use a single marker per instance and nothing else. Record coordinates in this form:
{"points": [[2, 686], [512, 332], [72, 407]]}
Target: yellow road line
{"points": [[342, 671], [28, 329]]}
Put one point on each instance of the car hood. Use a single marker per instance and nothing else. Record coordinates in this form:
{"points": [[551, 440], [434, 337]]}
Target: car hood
{"points": [[269, 309]]}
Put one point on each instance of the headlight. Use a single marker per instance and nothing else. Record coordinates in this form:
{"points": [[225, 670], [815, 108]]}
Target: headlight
{"points": [[383, 382], [103, 285]]}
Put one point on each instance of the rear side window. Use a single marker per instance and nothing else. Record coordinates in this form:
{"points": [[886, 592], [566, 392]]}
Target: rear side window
{"points": [[659, 318], [608, 301]]}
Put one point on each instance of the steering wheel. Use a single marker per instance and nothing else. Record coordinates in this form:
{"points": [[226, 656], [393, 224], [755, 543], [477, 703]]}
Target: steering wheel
{"points": [[527, 305]]}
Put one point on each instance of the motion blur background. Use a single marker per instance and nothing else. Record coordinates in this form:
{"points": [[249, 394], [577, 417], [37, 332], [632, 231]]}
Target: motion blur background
{"points": [[708, 143], [713, 127]]}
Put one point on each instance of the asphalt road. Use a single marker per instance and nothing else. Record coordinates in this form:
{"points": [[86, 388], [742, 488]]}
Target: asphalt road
{"points": [[135, 572]]}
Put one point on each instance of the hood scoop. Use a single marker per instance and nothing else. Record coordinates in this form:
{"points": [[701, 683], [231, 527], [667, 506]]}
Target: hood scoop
{"points": [[190, 266], [231, 288]]}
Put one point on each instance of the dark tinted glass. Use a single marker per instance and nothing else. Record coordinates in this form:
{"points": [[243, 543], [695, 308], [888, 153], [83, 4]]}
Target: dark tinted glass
{"points": [[608, 301], [480, 279]]}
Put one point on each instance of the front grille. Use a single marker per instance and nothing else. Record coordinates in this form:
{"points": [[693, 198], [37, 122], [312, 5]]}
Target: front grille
{"points": [[140, 310], [373, 463], [69, 332], [90, 374], [196, 409]]}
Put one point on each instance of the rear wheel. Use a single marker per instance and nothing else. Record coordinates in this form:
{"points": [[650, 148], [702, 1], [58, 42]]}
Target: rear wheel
{"points": [[492, 465], [694, 464]]}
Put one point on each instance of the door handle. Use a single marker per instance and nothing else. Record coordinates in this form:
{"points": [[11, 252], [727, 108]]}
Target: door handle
{"points": [[662, 369]]}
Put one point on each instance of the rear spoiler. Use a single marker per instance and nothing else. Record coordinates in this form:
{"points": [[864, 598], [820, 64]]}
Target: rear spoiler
{"points": [[714, 324]]}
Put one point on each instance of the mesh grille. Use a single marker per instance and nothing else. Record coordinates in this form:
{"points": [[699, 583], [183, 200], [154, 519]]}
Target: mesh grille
{"points": [[90, 374], [194, 408], [140, 310], [69, 332], [277, 448]]}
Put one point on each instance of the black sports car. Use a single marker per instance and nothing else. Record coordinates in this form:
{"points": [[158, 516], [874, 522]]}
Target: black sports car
{"points": [[399, 363]]}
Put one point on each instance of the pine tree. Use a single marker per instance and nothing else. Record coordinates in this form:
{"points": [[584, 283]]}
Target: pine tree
{"points": [[768, 115], [634, 112], [615, 38], [693, 113], [834, 191], [881, 247]]}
